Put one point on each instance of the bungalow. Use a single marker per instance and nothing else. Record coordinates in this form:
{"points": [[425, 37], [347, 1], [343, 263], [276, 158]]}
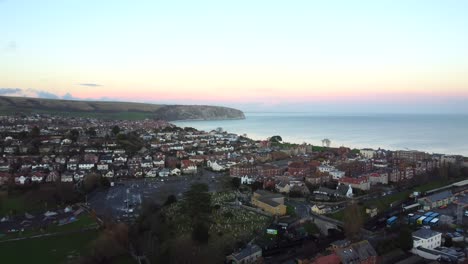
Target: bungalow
{"points": [[53, 176], [152, 173], [22, 180], [121, 158], [72, 166], [283, 187], [146, 163], [10, 150], [4, 167], [119, 151], [102, 166], [164, 173], [109, 174], [320, 209], [122, 173], [106, 159], [86, 166], [67, 177], [175, 172], [37, 177], [159, 163]]}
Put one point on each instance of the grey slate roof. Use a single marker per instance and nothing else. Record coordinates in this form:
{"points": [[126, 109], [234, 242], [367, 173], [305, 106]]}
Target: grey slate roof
{"points": [[247, 251], [425, 233]]}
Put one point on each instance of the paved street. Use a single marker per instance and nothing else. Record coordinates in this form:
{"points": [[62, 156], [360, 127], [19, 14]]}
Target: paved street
{"points": [[302, 208]]}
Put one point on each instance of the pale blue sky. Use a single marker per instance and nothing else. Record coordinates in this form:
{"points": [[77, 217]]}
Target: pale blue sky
{"points": [[302, 52]]}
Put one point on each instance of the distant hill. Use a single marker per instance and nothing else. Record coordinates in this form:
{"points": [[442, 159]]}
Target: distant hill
{"points": [[116, 110]]}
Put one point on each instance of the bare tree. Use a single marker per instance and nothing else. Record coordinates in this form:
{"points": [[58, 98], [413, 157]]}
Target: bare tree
{"points": [[353, 221]]}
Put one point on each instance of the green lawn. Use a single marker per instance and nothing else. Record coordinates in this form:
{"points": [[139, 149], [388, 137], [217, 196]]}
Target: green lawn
{"points": [[339, 215], [51, 250], [433, 185], [384, 202], [11, 203], [83, 221]]}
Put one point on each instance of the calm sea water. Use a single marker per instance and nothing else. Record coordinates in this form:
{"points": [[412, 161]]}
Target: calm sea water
{"points": [[432, 133]]}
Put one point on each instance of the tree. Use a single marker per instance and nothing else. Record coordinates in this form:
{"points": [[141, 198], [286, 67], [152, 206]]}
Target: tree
{"points": [[115, 130], [73, 134], [200, 232], [91, 132], [170, 200], [35, 132], [90, 182], [236, 182], [197, 202], [448, 242], [276, 139], [353, 221], [405, 239]]}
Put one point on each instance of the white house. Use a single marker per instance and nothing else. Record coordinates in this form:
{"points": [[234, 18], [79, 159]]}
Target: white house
{"points": [[109, 174], [337, 174], [175, 172], [164, 173], [103, 167], [247, 180], [147, 163], [367, 153], [66, 177], [72, 166], [21, 179], [215, 166], [426, 238], [37, 178], [86, 166], [152, 173], [159, 163], [325, 168]]}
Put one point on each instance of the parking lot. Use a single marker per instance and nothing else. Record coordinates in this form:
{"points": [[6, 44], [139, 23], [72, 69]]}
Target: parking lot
{"points": [[123, 200], [451, 209]]}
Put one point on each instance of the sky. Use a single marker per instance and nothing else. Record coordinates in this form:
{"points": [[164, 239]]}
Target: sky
{"points": [[336, 56]]}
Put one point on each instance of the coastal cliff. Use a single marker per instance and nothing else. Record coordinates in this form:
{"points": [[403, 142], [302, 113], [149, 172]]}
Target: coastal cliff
{"points": [[116, 110]]}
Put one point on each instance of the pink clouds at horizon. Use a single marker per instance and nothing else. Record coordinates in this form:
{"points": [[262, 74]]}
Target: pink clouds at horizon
{"points": [[194, 96]]}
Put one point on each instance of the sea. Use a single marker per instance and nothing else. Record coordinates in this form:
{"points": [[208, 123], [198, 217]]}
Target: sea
{"points": [[433, 133]]}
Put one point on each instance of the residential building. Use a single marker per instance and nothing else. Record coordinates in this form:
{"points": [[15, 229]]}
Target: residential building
{"points": [[410, 155], [378, 178], [426, 238], [269, 202], [320, 209], [361, 182], [368, 153], [249, 254], [436, 200], [358, 253]]}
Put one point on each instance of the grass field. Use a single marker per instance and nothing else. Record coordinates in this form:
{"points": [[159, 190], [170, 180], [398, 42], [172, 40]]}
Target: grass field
{"points": [[83, 221], [57, 249]]}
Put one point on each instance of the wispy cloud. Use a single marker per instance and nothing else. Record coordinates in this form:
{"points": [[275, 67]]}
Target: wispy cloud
{"points": [[89, 84]]}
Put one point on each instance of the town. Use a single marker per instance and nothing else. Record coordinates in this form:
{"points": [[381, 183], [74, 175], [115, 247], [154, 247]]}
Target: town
{"points": [[220, 196]]}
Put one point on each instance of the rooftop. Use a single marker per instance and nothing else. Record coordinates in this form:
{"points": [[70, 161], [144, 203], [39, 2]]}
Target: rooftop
{"points": [[424, 233]]}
